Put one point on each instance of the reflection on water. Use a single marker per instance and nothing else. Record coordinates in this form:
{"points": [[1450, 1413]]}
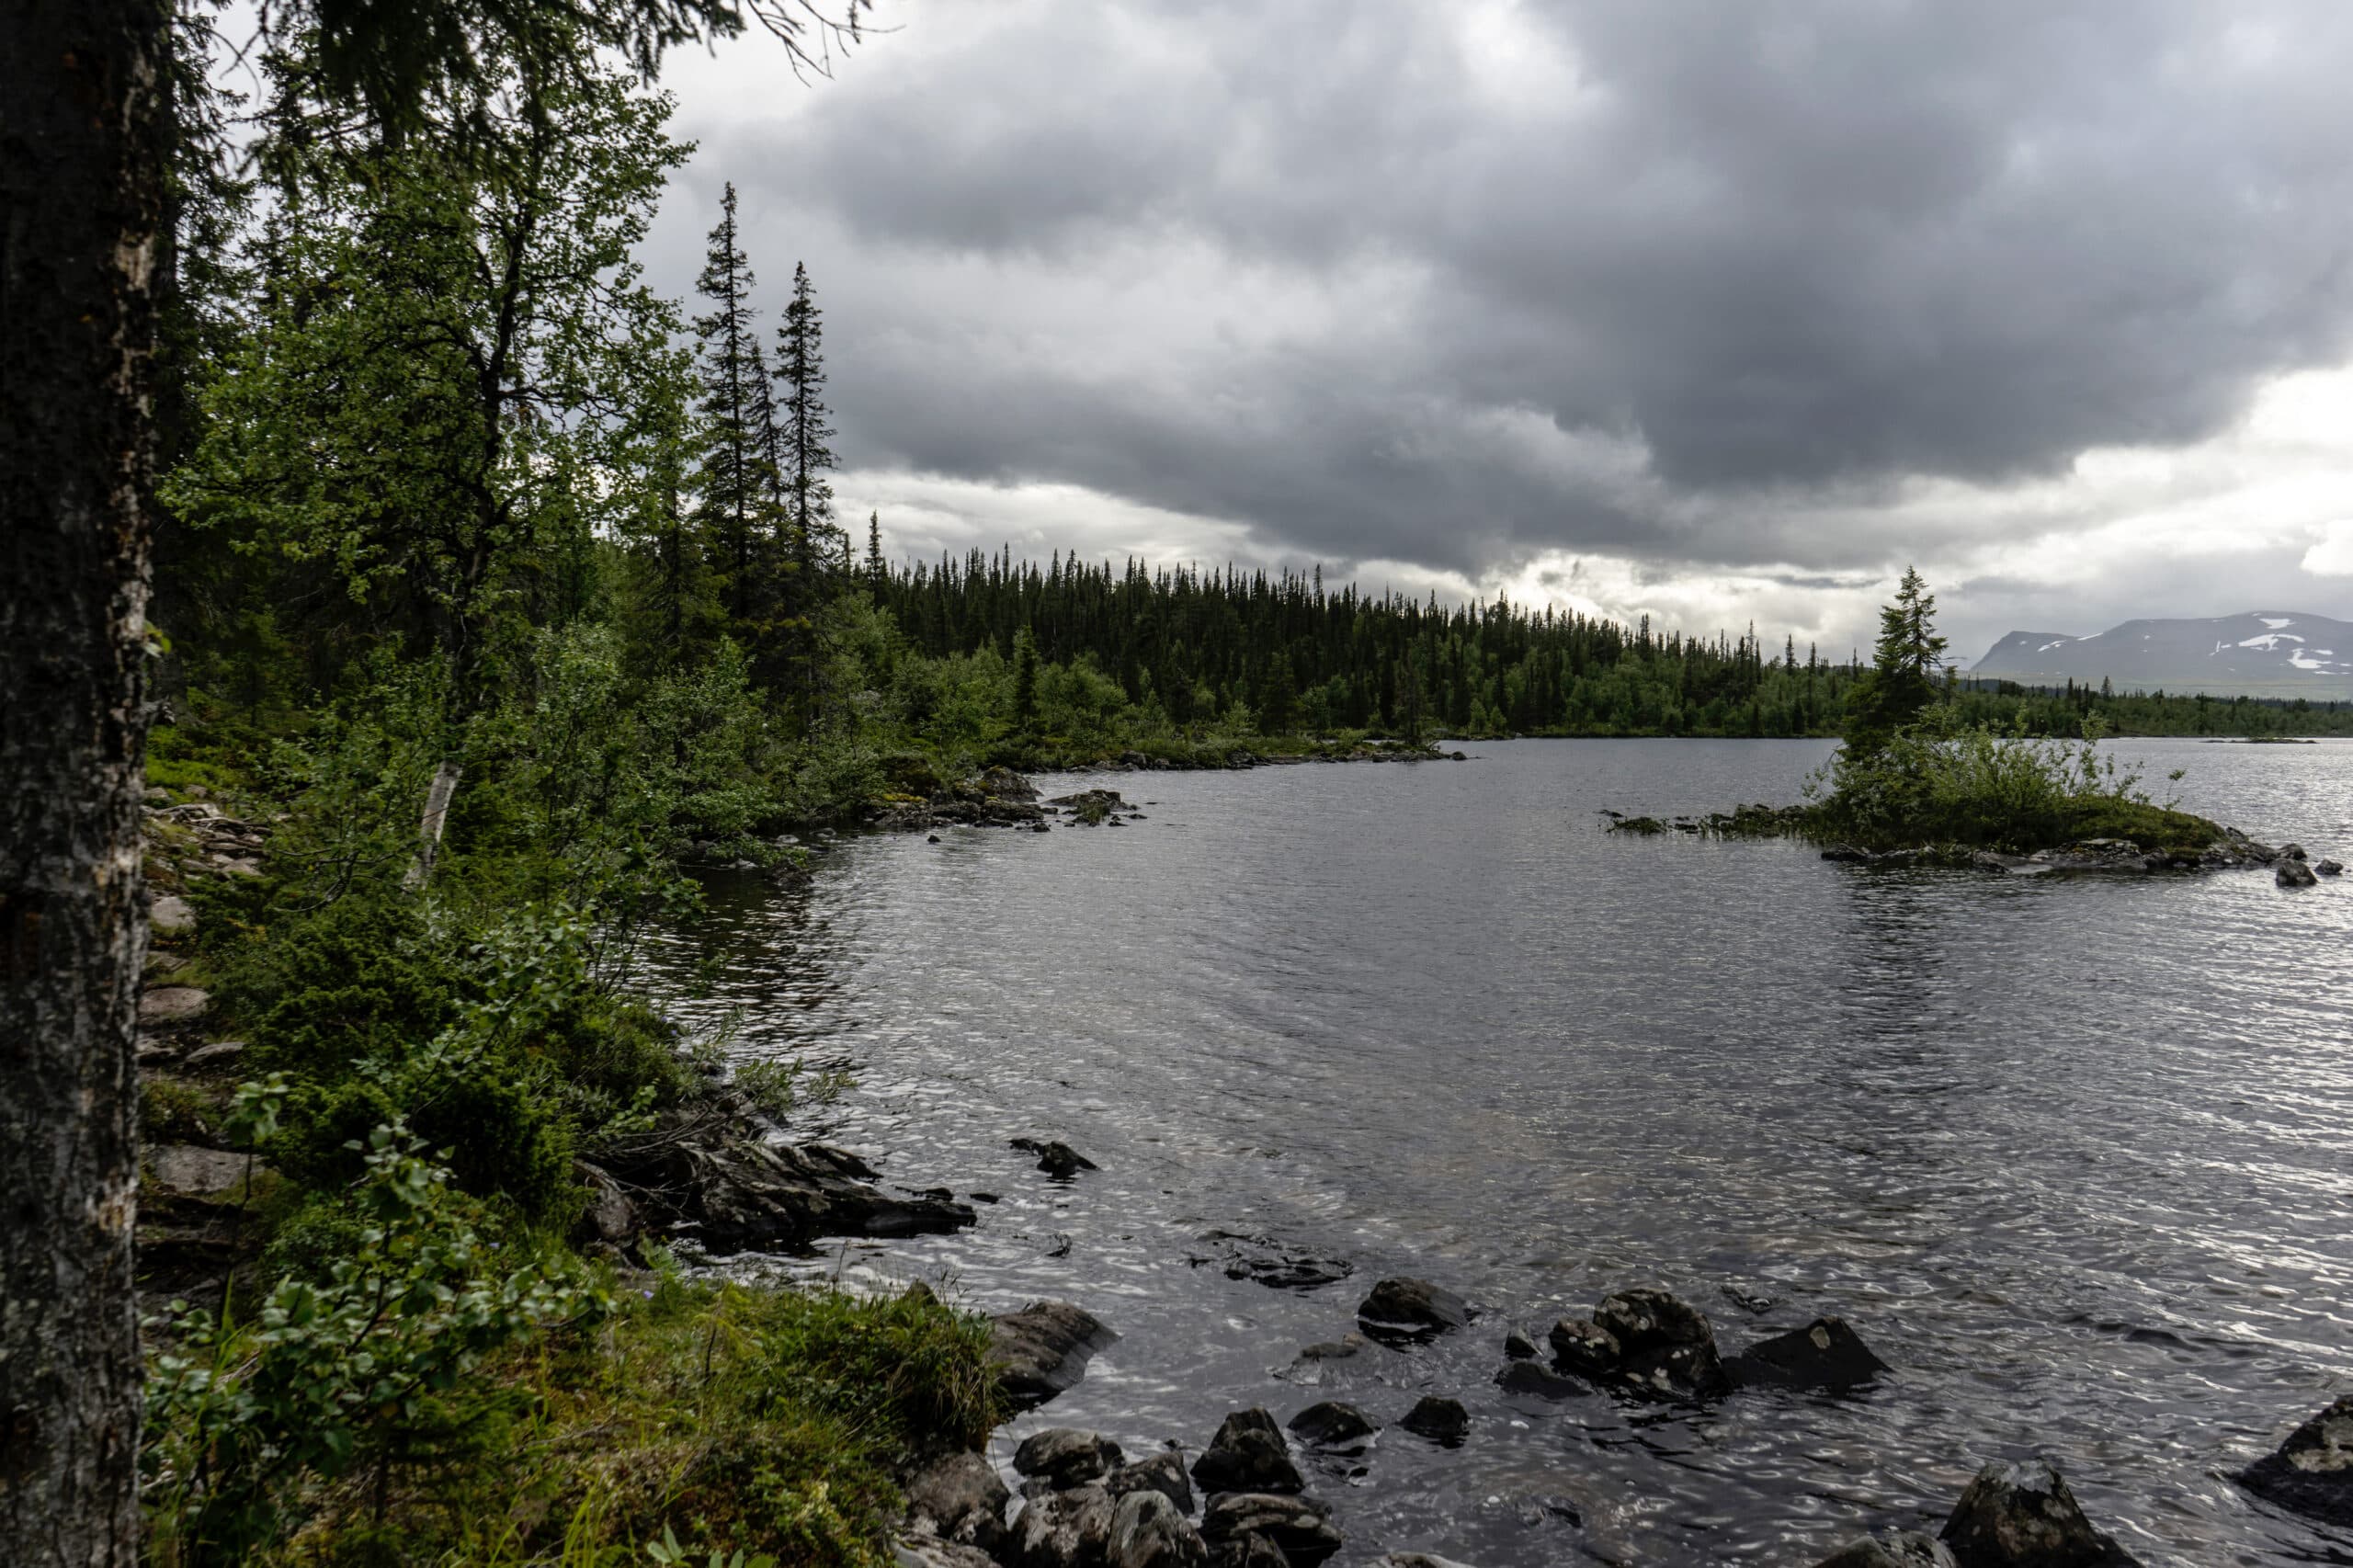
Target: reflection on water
{"points": [[2070, 1154]]}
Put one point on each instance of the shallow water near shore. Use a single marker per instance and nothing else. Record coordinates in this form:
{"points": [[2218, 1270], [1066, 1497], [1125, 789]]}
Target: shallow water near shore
{"points": [[2071, 1155]]}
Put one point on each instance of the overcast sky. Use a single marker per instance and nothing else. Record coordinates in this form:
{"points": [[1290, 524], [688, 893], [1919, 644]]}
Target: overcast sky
{"points": [[1719, 312]]}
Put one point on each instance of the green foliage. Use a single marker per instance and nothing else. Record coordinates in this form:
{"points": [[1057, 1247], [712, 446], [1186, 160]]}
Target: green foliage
{"points": [[1941, 781], [365, 1370], [777, 1088]]}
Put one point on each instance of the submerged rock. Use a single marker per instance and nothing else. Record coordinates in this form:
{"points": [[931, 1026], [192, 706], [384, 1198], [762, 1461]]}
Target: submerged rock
{"points": [[1333, 1424], [1247, 1455], [2022, 1515], [1527, 1377], [2312, 1472], [1409, 1309], [1057, 1159], [1299, 1528], [1517, 1347], [1439, 1420], [1898, 1548], [1824, 1354], [1042, 1349], [1063, 1457], [1268, 1263], [959, 1499]]}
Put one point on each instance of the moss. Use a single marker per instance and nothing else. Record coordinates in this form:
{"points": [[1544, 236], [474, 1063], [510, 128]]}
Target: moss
{"points": [[172, 1111]]}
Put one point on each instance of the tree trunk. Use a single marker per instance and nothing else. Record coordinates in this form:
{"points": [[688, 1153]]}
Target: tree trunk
{"points": [[428, 826], [82, 150]]}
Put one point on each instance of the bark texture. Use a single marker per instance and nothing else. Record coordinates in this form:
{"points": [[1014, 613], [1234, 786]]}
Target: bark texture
{"points": [[82, 149]]}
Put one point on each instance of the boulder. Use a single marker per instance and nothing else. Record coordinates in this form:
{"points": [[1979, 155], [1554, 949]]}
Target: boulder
{"points": [[1528, 1378], [1149, 1531], [1247, 1455], [1898, 1548], [173, 1004], [959, 1499], [1042, 1349], [218, 1057], [2312, 1472], [1247, 1552], [929, 1551], [1439, 1420], [1059, 1161], [2327, 868], [191, 1171], [1665, 1348], [171, 914], [1333, 1424], [1402, 1310], [1300, 1528], [1517, 1347], [1585, 1347], [1063, 1457], [608, 1216], [734, 1192], [2293, 874], [1063, 1529], [1164, 1474], [2292, 852], [1825, 1354], [2022, 1515]]}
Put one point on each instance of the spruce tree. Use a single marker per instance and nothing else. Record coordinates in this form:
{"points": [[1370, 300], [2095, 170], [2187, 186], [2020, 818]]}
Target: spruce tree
{"points": [[728, 472], [800, 367]]}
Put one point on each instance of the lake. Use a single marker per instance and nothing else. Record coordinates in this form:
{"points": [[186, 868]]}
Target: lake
{"points": [[2070, 1156]]}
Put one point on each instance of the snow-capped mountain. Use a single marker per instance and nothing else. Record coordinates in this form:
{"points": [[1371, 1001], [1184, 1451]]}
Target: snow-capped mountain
{"points": [[2265, 653]]}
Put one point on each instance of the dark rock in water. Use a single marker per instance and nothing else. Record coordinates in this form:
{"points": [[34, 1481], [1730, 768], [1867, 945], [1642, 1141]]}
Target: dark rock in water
{"points": [[1849, 854], [2292, 852], [1439, 1420], [1057, 1160], [1091, 808], [1042, 1349], [931, 838], [959, 1499], [1585, 1347], [1825, 1354], [2312, 1472], [1064, 1529], [1063, 1457], [2327, 868], [1527, 1377], [2022, 1515], [1333, 1424], [1149, 1531], [1416, 1559], [1300, 1528], [1270, 1264], [1666, 1350], [1899, 1548], [1409, 1309], [1644, 825], [2293, 874], [733, 1192], [1247, 1455], [1341, 1349], [1517, 1347], [1164, 1474]]}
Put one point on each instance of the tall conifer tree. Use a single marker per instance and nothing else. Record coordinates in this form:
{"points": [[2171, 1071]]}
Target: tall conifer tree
{"points": [[727, 474], [800, 368]]}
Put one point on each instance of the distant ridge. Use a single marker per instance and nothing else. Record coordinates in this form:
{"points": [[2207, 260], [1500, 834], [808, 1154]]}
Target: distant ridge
{"points": [[2261, 654]]}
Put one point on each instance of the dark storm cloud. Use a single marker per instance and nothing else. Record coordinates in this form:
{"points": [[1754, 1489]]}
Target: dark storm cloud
{"points": [[1785, 248]]}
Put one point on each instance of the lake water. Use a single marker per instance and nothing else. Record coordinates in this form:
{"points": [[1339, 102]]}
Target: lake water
{"points": [[2071, 1155]]}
